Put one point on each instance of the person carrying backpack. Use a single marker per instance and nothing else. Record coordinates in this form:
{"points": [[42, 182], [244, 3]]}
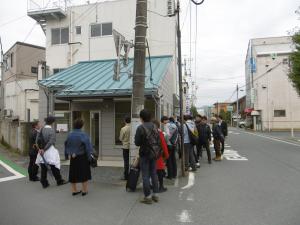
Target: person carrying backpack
{"points": [[148, 139], [172, 140], [188, 130], [48, 155]]}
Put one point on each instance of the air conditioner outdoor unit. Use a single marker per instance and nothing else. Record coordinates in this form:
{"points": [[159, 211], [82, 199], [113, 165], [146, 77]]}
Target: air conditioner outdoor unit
{"points": [[8, 112]]}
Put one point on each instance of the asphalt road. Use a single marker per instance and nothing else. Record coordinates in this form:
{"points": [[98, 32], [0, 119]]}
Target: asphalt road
{"points": [[258, 184]]}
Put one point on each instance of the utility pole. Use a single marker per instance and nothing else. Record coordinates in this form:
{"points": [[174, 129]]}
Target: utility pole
{"points": [[2, 83], [237, 105], [180, 88], [138, 81]]}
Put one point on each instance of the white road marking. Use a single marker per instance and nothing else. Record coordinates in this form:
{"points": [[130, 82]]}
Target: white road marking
{"points": [[185, 216], [190, 197], [176, 183], [274, 139], [16, 175], [232, 155], [191, 181]]}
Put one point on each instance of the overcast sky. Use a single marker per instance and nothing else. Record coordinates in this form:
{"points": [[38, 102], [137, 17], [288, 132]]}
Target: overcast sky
{"points": [[224, 30]]}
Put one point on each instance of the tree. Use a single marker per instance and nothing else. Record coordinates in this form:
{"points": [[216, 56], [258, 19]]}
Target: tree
{"points": [[294, 73], [194, 111], [225, 115]]}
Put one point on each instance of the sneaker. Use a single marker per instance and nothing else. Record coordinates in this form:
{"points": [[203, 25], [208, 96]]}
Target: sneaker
{"points": [[198, 165], [155, 198], [146, 200]]}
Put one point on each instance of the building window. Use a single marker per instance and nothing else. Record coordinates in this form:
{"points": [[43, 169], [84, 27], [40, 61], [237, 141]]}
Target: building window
{"points": [[11, 59], [95, 30], [103, 29], [279, 113], [60, 36], [122, 109], [34, 70], [57, 70], [78, 29], [106, 29]]}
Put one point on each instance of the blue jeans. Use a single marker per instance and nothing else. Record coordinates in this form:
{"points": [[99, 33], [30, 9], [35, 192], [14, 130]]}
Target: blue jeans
{"points": [[148, 169]]}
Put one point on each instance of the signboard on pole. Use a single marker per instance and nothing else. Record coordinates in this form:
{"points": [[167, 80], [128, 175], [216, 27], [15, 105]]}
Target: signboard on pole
{"points": [[229, 108]]}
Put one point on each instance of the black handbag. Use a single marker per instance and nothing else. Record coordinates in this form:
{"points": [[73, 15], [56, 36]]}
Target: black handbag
{"points": [[93, 160]]}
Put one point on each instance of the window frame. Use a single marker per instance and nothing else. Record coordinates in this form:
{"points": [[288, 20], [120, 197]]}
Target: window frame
{"points": [[101, 30], [278, 113], [60, 35], [11, 60], [77, 27], [34, 68]]}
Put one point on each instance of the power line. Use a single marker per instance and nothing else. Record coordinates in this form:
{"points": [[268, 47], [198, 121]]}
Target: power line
{"points": [[12, 21]]}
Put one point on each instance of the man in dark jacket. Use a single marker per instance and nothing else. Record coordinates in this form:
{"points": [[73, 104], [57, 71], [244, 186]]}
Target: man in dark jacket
{"points": [[204, 132], [224, 130], [218, 136], [33, 168], [147, 163]]}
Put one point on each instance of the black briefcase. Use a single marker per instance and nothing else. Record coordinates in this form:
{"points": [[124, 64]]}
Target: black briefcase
{"points": [[133, 178]]}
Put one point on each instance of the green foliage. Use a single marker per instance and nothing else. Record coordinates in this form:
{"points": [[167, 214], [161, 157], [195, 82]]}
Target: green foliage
{"points": [[294, 74], [225, 115], [194, 111]]}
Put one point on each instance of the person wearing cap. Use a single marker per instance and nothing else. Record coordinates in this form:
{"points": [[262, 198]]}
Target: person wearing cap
{"points": [[218, 136], [48, 155]]}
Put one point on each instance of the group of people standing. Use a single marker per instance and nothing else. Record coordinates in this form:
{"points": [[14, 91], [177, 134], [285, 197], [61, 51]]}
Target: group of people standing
{"points": [[197, 135], [158, 141], [43, 153]]}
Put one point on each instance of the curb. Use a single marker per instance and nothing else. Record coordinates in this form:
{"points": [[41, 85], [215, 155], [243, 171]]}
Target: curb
{"points": [[13, 165]]}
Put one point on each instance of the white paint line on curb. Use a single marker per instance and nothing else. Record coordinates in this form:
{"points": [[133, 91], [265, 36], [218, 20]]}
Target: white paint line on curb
{"points": [[16, 175], [191, 181], [176, 182], [274, 139]]}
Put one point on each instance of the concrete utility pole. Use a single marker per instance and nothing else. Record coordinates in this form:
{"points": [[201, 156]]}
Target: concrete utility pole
{"points": [[180, 88], [138, 81], [2, 83], [237, 105]]}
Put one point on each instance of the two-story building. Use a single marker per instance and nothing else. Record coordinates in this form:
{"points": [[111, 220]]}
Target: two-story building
{"points": [[81, 54], [269, 92], [19, 82]]}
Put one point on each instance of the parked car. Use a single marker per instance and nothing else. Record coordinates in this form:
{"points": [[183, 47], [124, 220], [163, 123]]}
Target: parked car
{"points": [[245, 123]]}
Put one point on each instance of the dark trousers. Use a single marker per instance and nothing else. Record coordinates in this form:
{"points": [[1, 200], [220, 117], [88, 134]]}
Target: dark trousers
{"points": [[171, 162], [189, 156], [126, 162], [148, 168], [55, 172], [217, 147], [160, 176], [200, 147], [222, 145], [32, 167]]}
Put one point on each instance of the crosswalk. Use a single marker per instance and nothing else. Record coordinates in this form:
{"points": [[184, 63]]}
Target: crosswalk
{"points": [[230, 154]]}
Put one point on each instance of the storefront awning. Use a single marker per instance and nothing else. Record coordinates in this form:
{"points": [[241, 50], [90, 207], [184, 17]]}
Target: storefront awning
{"points": [[248, 110], [95, 78]]}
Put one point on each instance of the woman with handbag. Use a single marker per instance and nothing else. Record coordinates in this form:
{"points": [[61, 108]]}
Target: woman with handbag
{"points": [[79, 148], [189, 142]]}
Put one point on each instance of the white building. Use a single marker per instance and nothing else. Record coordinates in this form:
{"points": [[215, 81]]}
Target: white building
{"points": [[80, 46], [270, 93]]}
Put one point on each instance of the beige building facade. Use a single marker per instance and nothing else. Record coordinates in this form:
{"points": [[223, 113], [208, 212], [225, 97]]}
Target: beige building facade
{"points": [[270, 93]]}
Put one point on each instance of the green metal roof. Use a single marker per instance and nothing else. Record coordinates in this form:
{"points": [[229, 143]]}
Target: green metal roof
{"points": [[95, 78]]}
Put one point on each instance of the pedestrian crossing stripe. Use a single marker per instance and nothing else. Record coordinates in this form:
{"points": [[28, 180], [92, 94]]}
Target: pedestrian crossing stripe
{"points": [[233, 155]]}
